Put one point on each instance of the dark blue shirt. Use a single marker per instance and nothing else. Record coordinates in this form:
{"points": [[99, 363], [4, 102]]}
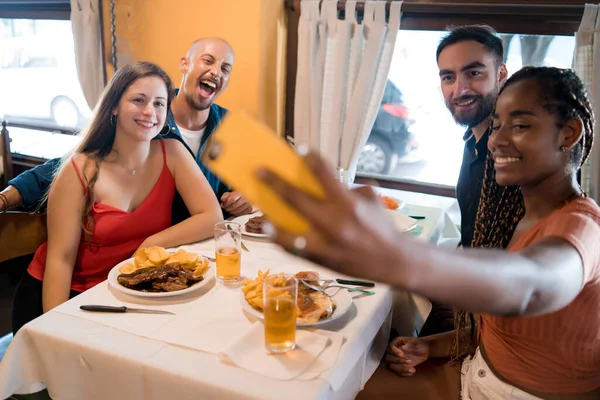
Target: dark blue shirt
{"points": [[470, 180], [33, 183]]}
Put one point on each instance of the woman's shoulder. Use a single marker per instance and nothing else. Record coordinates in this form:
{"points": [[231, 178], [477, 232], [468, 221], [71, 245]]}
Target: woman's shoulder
{"points": [[578, 215], [578, 223], [176, 153], [172, 145], [82, 164], [582, 207], [72, 173], [80, 160], [578, 220]]}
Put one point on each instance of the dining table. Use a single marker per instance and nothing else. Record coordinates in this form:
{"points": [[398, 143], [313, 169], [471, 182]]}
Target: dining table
{"points": [[209, 346]]}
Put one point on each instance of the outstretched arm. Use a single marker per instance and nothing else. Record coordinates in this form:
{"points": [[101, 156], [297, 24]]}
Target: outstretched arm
{"points": [[31, 186], [351, 233], [10, 198], [540, 279]]}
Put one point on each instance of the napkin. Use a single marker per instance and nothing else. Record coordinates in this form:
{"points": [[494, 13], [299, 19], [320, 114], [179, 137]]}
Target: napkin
{"points": [[315, 352], [212, 336]]}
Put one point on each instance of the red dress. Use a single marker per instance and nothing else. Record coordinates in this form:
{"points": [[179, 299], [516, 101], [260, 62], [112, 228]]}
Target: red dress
{"points": [[117, 233]]}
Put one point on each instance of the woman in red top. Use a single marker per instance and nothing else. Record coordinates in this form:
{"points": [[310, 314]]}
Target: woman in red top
{"points": [[114, 194], [540, 301]]}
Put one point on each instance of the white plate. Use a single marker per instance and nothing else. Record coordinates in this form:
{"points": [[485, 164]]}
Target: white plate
{"points": [[242, 219], [209, 274], [341, 298], [403, 223]]}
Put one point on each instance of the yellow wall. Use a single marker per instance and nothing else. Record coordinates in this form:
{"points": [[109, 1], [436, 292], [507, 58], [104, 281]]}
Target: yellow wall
{"points": [[272, 67], [161, 31]]}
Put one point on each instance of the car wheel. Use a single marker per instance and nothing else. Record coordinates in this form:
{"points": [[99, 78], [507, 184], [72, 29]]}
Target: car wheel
{"points": [[376, 156], [64, 112]]}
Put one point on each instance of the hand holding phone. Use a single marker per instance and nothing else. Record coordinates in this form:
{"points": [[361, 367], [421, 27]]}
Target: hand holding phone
{"points": [[240, 147]]}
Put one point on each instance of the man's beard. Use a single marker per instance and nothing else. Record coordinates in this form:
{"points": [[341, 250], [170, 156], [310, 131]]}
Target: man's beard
{"points": [[198, 104], [471, 118]]}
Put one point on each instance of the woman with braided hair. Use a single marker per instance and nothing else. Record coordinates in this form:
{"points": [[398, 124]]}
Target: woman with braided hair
{"points": [[537, 304]]}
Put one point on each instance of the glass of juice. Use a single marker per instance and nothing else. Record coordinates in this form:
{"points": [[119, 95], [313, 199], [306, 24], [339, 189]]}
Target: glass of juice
{"points": [[228, 239], [280, 293]]}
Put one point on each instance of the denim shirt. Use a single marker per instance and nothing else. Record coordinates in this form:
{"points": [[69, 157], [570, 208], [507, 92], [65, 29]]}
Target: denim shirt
{"points": [[33, 184]]}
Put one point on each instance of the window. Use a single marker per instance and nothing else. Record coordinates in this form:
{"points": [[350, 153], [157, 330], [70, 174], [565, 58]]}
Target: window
{"points": [[414, 136], [39, 75], [415, 144]]}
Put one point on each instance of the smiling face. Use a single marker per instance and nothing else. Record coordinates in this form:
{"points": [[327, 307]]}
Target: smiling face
{"points": [[206, 70], [526, 138], [470, 81], [142, 110]]}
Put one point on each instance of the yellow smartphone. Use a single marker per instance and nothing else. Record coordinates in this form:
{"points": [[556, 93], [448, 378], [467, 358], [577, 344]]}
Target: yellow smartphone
{"points": [[242, 145]]}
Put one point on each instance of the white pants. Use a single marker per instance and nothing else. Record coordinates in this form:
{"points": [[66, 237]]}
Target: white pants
{"points": [[478, 382]]}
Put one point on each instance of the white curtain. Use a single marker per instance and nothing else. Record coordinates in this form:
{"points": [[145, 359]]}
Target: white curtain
{"points": [[586, 63], [85, 20], [342, 72]]}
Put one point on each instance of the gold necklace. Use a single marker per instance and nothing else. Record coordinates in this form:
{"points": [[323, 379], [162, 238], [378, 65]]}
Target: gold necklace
{"points": [[130, 171]]}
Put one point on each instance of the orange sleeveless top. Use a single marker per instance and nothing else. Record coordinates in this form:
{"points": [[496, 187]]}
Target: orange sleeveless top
{"points": [[557, 352], [117, 233]]}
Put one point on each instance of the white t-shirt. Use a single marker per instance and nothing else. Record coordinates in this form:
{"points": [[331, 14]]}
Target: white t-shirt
{"points": [[192, 138]]}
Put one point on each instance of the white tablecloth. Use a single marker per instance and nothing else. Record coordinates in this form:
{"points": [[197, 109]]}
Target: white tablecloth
{"points": [[132, 356], [410, 310]]}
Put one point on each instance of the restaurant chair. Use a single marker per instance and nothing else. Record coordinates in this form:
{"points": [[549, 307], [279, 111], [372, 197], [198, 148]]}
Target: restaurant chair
{"points": [[6, 168], [21, 233]]}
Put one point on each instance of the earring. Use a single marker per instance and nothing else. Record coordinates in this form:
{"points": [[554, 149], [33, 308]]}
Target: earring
{"points": [[166, 129], [113, 120], [563, 149]]}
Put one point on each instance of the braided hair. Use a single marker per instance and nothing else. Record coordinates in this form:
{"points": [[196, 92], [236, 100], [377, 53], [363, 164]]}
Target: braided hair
{"points": [[562, 94]]}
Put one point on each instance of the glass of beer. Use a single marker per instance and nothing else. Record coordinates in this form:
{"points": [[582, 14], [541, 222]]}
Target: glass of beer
{"points": [[228, 239], [280, 293]]}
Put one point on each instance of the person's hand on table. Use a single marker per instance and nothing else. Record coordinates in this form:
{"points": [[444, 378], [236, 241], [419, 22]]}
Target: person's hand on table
{"points": [[235, 204], [350, 230], [405, 353]]}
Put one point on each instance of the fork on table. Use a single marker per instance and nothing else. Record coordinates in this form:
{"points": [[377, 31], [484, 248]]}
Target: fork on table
{"points": [[323, 289]]}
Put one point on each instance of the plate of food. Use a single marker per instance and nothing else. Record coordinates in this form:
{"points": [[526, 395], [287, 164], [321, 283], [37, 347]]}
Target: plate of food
{"points": [[252, 224], [314, 306], [154, 272], [391, 203]]}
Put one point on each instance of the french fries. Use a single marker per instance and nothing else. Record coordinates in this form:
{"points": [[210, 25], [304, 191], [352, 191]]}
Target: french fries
{"points": [[158, 257], [253, 290]]}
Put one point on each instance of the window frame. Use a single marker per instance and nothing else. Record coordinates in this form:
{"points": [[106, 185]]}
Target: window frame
{"points": [[35, 9], [49, 10], [535, 17]]}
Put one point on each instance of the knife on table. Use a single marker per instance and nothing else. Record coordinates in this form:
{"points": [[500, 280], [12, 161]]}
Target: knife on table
{"points": [[342, 282], [122, 309]]}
